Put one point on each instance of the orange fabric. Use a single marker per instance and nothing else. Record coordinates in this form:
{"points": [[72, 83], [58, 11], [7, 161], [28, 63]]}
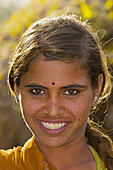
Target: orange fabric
{"points": [[28, 157]]}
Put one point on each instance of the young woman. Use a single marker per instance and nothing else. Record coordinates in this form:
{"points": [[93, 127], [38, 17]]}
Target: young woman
{"points": [[58, 74]]}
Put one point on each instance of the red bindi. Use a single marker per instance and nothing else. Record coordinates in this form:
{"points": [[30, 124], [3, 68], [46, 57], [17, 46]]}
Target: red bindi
{"points": [[53, 83]]}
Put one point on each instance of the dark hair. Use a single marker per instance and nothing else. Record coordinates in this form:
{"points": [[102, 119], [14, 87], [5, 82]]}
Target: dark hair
{"points": [[67, 39]]}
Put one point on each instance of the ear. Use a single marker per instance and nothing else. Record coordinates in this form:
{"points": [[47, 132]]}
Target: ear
{"points": [[16, 92], [98, 90]]}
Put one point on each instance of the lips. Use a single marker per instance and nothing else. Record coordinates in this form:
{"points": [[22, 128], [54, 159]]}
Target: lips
{"points": [[53, 128]]}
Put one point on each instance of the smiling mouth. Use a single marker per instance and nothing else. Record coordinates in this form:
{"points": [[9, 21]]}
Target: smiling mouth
{"points": [[53, 125]]}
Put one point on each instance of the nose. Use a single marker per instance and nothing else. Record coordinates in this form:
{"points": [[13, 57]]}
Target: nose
{"points": [[54, 106]]}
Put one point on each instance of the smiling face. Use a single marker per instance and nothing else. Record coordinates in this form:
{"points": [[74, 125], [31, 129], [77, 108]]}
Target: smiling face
{"points": [[56, 114]]}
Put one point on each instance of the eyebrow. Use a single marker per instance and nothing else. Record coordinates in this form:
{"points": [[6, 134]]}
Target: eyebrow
{"points": [[74, 86], [64, 87], [35, 86]]}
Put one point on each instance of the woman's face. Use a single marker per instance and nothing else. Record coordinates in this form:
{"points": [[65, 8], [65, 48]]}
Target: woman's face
{"points": [[55, 99]]}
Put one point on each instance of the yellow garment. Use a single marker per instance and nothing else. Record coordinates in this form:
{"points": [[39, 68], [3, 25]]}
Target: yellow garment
{"points": [[100, 164], [29, 157]]}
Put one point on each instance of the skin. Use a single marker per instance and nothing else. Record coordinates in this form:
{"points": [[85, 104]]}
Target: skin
{"points": [[68, 100]]}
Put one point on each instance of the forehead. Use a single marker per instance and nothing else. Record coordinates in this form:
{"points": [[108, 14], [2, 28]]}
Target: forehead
{"points": [[40, 66], [59, 72]]}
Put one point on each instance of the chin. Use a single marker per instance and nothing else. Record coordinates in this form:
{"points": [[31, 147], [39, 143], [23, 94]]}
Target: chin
{"points": [[50, 143]]}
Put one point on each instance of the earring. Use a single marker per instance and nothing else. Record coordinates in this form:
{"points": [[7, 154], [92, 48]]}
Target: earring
{"points": [[95, 99]]}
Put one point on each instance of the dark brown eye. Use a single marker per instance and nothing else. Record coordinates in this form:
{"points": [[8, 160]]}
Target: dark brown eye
{"points": [[71, 92], [37, 91]]}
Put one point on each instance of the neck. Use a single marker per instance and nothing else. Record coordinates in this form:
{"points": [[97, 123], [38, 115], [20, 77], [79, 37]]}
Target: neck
{"points": [[69, 155]]}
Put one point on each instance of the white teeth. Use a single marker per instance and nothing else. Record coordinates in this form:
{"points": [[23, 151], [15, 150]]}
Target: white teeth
{"points": [[53, 125]]}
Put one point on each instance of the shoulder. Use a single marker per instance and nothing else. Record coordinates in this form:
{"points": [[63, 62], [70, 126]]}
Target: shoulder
{"points": [[8, 158], [26, 157], [13, 158]]}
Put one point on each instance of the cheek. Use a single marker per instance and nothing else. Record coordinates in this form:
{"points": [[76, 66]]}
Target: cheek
{"points": [[29, 106], [80, 113], [79, 108]]}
